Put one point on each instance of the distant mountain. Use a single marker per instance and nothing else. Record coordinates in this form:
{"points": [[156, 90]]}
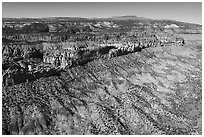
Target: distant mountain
{"points": [[128, 18]]}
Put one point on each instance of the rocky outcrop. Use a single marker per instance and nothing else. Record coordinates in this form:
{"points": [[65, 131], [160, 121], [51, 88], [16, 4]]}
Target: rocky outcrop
{"points": [[63, 54], [18, 60]]}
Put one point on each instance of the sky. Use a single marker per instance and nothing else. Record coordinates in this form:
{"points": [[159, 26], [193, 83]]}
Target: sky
{"points": [[188, 12]]}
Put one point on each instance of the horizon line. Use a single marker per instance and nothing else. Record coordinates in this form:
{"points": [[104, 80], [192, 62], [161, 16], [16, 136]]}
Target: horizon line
{"points": [[98, 18]]}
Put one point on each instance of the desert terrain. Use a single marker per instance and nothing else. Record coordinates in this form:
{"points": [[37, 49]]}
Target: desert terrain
{"points": [[110, 76]]}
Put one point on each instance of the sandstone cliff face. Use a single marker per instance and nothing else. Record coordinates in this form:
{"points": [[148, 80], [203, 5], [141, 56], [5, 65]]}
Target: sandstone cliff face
{"points": [[155, 91]]}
